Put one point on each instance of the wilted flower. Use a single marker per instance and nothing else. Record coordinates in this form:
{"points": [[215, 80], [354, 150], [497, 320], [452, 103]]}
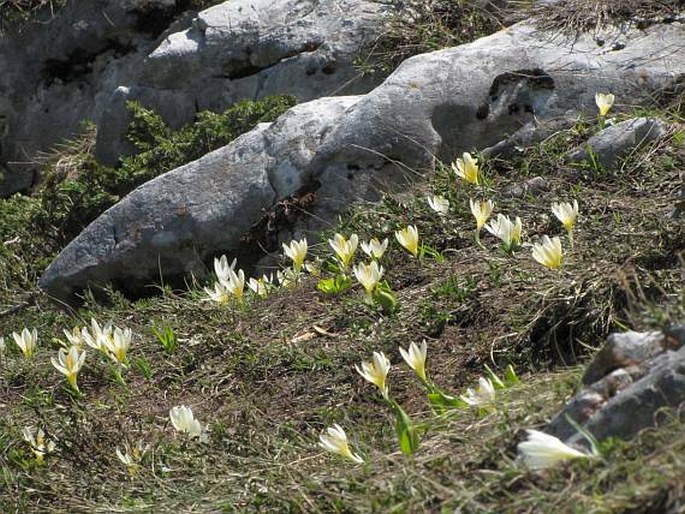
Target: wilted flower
{"points": [[26, 341], [415, 357], [376, 371], [482, 396], [549, 252], [408, 237], [132, 457], [542, 450], [368, 276], [118, 345], [335, 441], [439, 204], [69, 363], [40, 445], [467, 168], [344, 248], [604, 102], [296, 251], [183, 420], [219, 293], [374, 248], [507, 231]]}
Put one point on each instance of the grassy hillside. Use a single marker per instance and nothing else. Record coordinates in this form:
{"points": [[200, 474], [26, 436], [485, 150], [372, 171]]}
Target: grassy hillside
{"points": [[267, 377]]}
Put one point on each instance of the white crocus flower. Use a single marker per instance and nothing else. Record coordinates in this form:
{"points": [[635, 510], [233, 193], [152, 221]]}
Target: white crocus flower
{"points": [[218, 293], [376, 371], [184, 421], [481, 211], [69, 363], [335, 441], [26, 341], [344, 248], [604, 102], [40, 445], [467, 168], [549, 252], [509, 232], [374, 248], [368, 275], [415, 357], [482, 396], [296, 251], [118, 345], [132, 457], [97, 337], [567, 214], [222, 267], [261, 286], [74, 337], [439, 204], [234, 283], [542, 450], [408, 237]]}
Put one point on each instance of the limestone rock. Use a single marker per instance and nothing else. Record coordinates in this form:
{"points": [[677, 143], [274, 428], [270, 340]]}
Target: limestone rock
{"points": [[171, 224], [630, 379], [617, 141]]}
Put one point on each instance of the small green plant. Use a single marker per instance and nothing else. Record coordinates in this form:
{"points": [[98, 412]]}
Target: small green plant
{"points": [[334, 285], [166, 337]]}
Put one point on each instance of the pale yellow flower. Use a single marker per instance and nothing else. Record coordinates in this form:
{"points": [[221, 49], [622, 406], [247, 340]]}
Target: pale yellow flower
{"points": [[368, 275], [218, 294], [344, 248], [376, 371], [184, 421], [97, 337], [118, 345], [566, 213], [549, 252], [604, 102], [26, 341], [261, 286], [439, 204], [374, 248], [234, 283], [482, 396], [335, 441], [296, 251], [69, 363], [467, 168], [509, 232], [40, 445], [415, 357], [74, 337], [542, 450], [481, 211], [408, 237]]}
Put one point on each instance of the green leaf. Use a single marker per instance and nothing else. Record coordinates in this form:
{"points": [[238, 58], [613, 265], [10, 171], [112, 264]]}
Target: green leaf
{"points": [[510, 377], [441, 402], [335, 285], [496, 381], [407, 435]]}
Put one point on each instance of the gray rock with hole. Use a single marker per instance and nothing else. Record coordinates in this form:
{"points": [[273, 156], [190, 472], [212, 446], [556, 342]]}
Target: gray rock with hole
{"points": [[434, 105]]}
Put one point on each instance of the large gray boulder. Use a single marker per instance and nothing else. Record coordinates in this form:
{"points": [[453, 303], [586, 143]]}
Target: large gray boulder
{"points": [[89, 60], [182, 217], [435, 105], [248, 49]]}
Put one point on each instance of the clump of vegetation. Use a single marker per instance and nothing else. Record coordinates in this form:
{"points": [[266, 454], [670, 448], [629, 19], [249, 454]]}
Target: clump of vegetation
{"points": [[419, 26], [75, 188]]}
